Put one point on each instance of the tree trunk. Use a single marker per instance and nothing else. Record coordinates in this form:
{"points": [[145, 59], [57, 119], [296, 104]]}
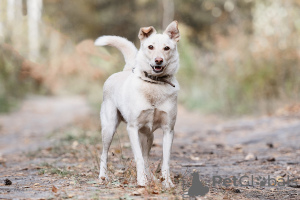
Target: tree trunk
{"points": [[34, 12], [168, 13]]}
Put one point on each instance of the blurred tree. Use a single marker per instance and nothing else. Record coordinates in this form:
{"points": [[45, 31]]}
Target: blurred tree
{"points": [[34, 11], [83, 19], [207, 17]]}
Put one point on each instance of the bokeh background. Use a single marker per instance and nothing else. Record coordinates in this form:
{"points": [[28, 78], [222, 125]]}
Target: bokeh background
{"points": [[238, 57]]}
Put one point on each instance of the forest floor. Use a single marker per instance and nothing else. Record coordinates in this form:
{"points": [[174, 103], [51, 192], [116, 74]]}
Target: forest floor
{"points": [[49, 149]]}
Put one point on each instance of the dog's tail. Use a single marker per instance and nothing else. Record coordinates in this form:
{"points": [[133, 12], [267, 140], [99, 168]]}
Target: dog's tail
{"points": [[127, 48]]}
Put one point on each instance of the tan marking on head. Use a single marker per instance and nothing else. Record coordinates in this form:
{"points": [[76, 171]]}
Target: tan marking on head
{"points": [[146, 32]]}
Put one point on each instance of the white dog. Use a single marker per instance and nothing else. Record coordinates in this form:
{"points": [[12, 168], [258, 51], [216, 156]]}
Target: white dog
{"points": [[143, 95]]}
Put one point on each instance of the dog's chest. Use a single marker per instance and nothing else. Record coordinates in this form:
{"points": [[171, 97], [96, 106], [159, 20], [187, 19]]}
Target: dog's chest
{"points": [[156, 94], [152, 119]]}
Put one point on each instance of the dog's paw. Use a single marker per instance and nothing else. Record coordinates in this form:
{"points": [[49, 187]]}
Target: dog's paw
{"points": [[142, 181], [168, 184], [103, 179]]}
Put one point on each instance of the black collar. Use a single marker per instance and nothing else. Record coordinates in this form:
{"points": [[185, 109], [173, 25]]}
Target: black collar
{"points": [[159, 78]]}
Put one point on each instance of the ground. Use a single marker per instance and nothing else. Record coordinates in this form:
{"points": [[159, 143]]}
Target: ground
{"points": [[49, 149]]}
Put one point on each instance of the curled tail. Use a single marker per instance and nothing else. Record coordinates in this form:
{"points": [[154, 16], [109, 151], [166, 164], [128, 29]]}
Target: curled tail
{"points": [[126, 47]]}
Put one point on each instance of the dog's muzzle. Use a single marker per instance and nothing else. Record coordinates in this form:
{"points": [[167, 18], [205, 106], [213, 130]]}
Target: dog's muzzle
{"points": [[158, 68]]}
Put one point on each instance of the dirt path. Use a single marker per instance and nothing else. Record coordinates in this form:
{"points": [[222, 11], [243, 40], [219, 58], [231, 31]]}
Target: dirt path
{"points": [[49, 149], [38, 116]]}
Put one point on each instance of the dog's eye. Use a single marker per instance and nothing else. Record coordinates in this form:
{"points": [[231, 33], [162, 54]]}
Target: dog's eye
{"points": [[150, 47], [167, 48]]}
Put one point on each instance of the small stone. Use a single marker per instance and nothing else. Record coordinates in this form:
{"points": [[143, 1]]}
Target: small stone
{"points": [[7, 182], [126, 145], [245, 182], [236, 190], [177, 176], [71, 195], [250, 156], [271, 159], [295, 172], [75, 145], [195, 158], [270, 145]]}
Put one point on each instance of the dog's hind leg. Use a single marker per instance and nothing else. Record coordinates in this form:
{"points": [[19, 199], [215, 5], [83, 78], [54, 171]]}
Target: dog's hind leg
{"points": [[109, 122], [146, 139]]}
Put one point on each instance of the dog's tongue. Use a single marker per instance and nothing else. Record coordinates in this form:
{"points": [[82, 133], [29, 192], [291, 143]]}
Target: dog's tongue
{"points": [[157, 67]]}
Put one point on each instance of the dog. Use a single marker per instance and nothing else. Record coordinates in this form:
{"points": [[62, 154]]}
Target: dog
{"points": [[144, 96]]}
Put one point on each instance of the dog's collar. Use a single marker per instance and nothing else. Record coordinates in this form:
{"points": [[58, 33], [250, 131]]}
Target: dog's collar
{"points": [[159, 78], [156, 78]]}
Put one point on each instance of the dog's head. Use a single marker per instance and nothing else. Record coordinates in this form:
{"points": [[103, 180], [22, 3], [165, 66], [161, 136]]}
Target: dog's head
{"points": [[158, 52]]}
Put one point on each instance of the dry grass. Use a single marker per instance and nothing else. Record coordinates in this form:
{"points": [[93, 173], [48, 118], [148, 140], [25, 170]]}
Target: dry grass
{"points": [[75, 155]]}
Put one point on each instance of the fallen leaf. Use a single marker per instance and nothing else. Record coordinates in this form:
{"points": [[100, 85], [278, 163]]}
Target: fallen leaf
{"points": [[139, 192], [54, 189], [155, 192], [117, 150]]}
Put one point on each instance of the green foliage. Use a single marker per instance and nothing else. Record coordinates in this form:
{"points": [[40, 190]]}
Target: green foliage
{"points": [[255, 84], [13, 84]]}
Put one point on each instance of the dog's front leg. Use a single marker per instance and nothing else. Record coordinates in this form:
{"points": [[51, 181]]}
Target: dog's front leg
{"points": [[165, 169], [138, 156]]}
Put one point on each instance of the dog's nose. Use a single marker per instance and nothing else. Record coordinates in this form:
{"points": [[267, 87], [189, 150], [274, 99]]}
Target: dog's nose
{"points": [[158, 60]]}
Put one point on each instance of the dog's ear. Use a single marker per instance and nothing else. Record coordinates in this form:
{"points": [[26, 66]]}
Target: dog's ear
{"points": [[172, 31], [146, 32]]}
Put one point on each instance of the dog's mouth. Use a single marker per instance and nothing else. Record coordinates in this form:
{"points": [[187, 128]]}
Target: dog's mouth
{"points": [[157, 68]]}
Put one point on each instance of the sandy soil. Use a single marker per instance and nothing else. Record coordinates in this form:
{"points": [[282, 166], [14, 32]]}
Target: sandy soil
{"points": [[49, 150]]}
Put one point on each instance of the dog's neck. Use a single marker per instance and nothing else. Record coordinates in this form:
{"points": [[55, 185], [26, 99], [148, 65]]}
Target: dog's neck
{"points": [[145, 76], [159, 78]]}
